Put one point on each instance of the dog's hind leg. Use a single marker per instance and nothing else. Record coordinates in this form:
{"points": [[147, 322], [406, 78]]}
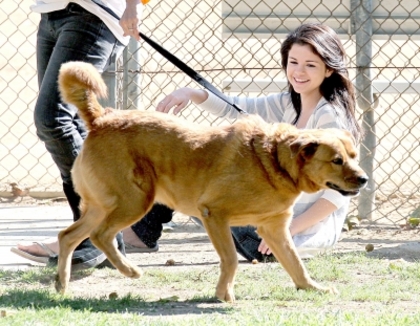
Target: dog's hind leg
{"points": [[220, 235], [279, 240], [125, 214], [70, 238]]}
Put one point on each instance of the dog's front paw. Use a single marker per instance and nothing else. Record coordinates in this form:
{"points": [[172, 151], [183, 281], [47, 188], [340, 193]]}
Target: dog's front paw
{"points": [[134, 272], [226, 296], [326, 289], [60, 287], [317, 287], [332, 290]]}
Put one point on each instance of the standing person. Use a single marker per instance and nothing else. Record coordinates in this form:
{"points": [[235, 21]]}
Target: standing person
{"points": [[77, 30], [320, 95]]}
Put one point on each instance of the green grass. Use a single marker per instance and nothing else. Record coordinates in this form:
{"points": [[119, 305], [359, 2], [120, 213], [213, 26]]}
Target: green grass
{"points": [[372, 292]]}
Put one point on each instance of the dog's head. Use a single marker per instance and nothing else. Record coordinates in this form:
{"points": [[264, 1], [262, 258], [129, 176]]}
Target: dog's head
{"points": [[327, 159]]}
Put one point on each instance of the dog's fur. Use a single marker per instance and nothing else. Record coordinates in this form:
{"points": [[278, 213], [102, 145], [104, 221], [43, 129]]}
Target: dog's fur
{"points": [[250, 172]]}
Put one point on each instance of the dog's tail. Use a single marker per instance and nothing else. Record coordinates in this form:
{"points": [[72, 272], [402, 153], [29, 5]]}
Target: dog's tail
{"points": [[81, 84]]}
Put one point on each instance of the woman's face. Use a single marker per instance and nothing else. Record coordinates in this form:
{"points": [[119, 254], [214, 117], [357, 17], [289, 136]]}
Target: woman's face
{"points": [[305, 70]]}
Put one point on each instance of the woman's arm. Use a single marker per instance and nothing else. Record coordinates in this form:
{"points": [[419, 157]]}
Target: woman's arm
{"points": [[271, 108], [320, 210]]}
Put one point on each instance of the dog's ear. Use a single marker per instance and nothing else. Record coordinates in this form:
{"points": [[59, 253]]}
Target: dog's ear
{"points": [[304, 146]]}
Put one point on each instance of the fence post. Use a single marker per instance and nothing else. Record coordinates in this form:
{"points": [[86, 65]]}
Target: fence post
{"points": [[362, 20], [110, 79], [131, 80]]}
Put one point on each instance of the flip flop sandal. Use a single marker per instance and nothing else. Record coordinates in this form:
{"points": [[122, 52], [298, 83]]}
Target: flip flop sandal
{"points": [[130, 249], [197, 221], [34, 257]]}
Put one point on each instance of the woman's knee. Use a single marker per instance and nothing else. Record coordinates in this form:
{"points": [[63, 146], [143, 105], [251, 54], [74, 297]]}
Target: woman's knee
{"points": [[56, 121], [246, 242], [44, 129], [242, 233]]}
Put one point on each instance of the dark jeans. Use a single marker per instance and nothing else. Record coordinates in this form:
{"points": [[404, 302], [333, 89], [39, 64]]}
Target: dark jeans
{"points": [[149, 228], [247, 241], [71, 34]]}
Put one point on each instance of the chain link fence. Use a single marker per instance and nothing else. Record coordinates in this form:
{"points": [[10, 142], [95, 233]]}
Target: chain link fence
{"points": [[236, 45]]}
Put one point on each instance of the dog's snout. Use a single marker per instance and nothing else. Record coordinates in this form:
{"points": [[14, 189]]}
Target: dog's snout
{"points": [[362, 180]]}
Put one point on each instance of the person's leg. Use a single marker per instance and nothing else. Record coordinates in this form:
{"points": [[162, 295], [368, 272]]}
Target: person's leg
{"points": [[246, 241], [45, 47], [81, 37], [69, 35], [149, 229]]}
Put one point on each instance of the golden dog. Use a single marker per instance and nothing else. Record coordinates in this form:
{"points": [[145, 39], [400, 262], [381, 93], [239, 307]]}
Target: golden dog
{"points": [[250, 172]]}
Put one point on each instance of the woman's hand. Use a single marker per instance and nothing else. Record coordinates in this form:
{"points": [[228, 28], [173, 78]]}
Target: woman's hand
{"points": [[179, 99], [130, 20], [263, 248], [176, 100]]}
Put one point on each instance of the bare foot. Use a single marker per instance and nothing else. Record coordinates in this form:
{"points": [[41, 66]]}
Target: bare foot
{"points": [[131, 238], [37, 250]]}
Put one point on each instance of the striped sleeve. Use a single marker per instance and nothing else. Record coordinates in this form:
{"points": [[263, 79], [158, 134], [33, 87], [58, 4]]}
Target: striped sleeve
{"points": [[271, 108], [328, 116]]}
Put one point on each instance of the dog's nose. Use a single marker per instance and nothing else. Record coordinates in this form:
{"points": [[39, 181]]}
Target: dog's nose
{"points": [[362, 180]]}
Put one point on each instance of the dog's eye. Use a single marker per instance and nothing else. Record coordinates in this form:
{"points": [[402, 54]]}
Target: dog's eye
{"points": [[338, 161]]}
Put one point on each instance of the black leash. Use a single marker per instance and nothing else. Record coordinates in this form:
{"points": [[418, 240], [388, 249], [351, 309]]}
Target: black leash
{"points": [[189, 71], [177, 62]]}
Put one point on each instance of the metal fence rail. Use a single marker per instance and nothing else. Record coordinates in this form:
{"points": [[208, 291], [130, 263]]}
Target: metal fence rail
{"points": [[235, 44]]}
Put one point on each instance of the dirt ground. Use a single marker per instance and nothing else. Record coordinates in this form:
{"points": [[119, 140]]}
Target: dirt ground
{"points": [[187, 246]]}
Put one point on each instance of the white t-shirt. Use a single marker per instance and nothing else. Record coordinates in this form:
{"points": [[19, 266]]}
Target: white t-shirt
{"points": [[117, 6]]}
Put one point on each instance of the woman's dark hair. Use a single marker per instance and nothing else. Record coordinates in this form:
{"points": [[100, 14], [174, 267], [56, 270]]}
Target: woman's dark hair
{"points": [[337, 89]]}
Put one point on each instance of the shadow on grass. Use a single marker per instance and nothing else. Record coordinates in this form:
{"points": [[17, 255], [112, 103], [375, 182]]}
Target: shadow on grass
{"points": [[43, 299], [44, 275]]}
